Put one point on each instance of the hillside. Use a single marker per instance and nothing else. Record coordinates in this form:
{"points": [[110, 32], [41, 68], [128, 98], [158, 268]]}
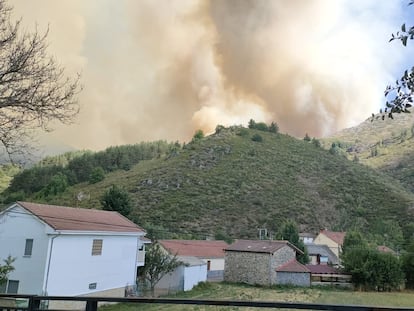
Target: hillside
{"points": [[228, 184], [386, 145]]}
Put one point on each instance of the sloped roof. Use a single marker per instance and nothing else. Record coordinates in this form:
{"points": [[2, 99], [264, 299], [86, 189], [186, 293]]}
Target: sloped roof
{"points": [[307, 235], [323, 250], [80, 219], [260, 246], [337, 237], [191, 261], [197, 248], [322, 269], [292, 266]]}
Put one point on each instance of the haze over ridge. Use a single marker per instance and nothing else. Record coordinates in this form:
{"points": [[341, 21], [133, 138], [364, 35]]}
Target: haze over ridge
{"points": [[162, 69]]}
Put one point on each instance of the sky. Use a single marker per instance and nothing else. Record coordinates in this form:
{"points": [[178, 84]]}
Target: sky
{"points": [[158, 69]]}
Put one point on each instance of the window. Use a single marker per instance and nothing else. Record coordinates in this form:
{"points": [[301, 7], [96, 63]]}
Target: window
{"points": [[3, 287], [12, 287], [9, 287], [97, 247], [92, 285], [28, 247]]}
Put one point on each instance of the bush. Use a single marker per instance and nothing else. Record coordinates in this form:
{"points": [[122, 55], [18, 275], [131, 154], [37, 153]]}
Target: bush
{"points": [[219, 129], [243, 132], [117, 199], [257, 137], [97, 175], [199, 134], [261, 126], [273, 128], [58, 184]]}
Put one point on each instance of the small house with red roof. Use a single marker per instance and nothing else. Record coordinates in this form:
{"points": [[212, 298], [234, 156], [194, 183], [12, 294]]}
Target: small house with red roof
{"points": [[334, 240], [202, 260], [256, 261], [69, 251], [293, 273], [209, 251]]}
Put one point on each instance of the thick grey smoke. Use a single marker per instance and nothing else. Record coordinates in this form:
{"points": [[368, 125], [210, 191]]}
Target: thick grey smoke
{"points": [[162, 69]]}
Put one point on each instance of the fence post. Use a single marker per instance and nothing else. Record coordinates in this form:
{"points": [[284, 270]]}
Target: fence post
{"points": [[91, 305], [34, 303]]}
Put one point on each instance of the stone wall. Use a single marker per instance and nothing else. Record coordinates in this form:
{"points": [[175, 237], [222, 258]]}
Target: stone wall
{"points": [[255, 268], [293, 278], [280, 257], [247, 267]]}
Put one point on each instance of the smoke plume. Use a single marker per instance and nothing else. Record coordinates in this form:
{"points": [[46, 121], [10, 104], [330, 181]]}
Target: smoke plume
{"points": [[155, 69]]}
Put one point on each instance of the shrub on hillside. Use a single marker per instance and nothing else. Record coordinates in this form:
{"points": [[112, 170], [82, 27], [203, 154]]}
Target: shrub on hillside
{"points": [[257, 138], [97, 175]]}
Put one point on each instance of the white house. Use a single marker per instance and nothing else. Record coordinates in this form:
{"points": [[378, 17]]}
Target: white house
{"points": [[69, 251], [191, 272]]}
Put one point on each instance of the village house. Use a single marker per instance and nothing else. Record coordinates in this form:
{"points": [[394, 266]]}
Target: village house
{"points": [[69, 251], [210, 252], [306, 237], [334, 240], [257, 262], [202, 260], [321, 255]]}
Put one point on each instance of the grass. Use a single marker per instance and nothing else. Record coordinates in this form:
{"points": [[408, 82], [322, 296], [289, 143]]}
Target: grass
{"points": [[287, 294]]}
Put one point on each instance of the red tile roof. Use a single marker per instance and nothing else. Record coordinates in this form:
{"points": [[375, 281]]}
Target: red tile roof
{"points": [[260, 246], [292, 266], [196, 248], [337, 237], [80, 219]]}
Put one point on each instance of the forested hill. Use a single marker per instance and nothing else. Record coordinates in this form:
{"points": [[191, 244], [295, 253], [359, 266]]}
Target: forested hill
{"points": [[238, 180], [386, 145]]}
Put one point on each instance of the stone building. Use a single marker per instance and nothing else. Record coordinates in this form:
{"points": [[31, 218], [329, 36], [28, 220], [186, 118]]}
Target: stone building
{"points": [[293, 273], [256, 261]]}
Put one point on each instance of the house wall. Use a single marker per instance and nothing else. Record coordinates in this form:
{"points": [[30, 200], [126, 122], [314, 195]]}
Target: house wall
{"points": [[247, 267], [293, 278], [280, 257], [171, 282], [194, 275], [17, 225], [73, 268], [322, 239], [215, 263], [255, 268]]}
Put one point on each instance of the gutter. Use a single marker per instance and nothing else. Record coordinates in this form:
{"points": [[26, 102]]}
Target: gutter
{"points": [[48, 263]]}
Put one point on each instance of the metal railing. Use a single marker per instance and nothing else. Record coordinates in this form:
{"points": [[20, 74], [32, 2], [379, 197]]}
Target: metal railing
{"points": [[34, 303]]}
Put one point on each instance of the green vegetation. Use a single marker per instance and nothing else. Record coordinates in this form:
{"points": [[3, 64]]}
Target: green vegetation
{"points": [[117, 199], [386, 145], [83, 167], [6, 268], [228, 184], [7, 171], [408, 265], [373, 270], [157, 264], [289, 231], [289, 294], [403, 89]]}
